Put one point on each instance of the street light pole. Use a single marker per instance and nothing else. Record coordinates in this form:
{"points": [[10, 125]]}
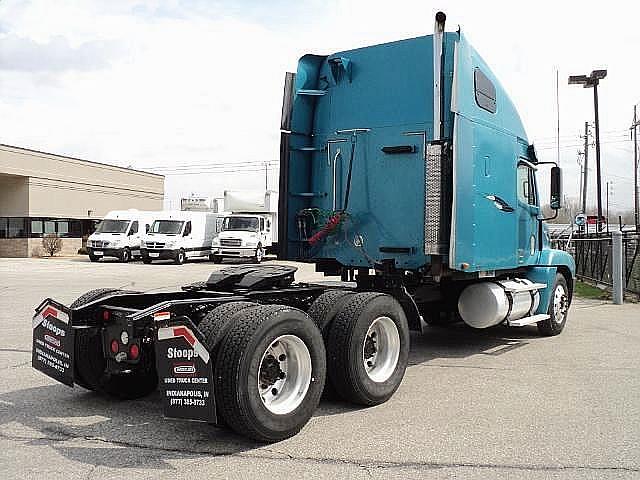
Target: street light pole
{"points": [[592, 81], [598, 172]]}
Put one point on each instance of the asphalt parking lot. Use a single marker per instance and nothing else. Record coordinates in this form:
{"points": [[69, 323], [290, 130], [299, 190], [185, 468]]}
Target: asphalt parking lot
{"points": [[491, 404]]}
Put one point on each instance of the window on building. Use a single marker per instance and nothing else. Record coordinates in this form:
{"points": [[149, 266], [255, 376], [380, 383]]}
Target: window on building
{"points": [[49, 226], [3, 227], [485, 91], [75, 228], [17, 228], [36, 227], [62, 227]]}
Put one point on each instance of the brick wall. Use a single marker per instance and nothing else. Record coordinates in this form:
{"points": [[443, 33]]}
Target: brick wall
{"points": [[14, 247], [25, 247]]}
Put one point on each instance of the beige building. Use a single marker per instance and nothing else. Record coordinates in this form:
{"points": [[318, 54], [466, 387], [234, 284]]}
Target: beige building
{"points": [[43, 193]]}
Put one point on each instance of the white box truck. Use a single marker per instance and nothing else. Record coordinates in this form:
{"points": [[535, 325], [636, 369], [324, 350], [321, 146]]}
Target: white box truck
{"points": [[179, 236], [250, 230], [119, 235]]}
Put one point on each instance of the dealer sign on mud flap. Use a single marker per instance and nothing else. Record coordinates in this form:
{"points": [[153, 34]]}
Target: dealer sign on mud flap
{"points": [[53, 343], [185, 374]]}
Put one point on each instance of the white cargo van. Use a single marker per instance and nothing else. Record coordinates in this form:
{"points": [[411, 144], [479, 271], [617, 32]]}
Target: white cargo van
{"points": [[179, 236], [119, 234], [251, 229]]}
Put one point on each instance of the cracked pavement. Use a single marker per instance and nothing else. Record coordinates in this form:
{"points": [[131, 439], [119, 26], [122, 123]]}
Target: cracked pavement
{"points": [[496, 403]]}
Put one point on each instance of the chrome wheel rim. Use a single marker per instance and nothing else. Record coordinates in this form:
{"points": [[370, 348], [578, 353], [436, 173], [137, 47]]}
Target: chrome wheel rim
{"points": [[381, 349], [560, 306], [284, 374]]}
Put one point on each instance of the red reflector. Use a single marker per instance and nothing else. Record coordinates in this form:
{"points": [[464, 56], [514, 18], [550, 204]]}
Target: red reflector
{"points": [[106, 315], [114, 346], [134, 351]]}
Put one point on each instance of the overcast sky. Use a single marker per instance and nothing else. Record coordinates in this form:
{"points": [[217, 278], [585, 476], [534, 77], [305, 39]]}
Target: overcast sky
{"points": [[169, 85]]}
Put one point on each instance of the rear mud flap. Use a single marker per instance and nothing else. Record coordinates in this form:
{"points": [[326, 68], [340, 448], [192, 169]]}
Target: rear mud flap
{"points": [[53, 341], [185, 373]]}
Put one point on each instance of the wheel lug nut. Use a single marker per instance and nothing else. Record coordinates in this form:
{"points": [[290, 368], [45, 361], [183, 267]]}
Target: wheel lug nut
{"points": [[282, 357], [263, 386], [369, 363], [274, 391]]}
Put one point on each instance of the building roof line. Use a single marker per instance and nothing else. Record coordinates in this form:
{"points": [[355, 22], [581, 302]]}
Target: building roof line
{"points": [[80, 160]]}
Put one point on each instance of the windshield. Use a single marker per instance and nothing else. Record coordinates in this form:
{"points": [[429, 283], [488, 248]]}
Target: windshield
{"points": [[247, 224], [168, 227], [112, 226]]}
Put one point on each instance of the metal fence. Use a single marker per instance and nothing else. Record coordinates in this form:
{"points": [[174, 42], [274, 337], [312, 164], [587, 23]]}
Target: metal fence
{"points": [[592, 253]]}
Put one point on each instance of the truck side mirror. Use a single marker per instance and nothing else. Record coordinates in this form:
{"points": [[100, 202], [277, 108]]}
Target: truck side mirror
{"points": [[556, 188], [187, 229]]}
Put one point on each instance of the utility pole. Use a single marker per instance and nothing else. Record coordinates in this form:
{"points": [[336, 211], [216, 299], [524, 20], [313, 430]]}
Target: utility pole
{"points": [[634, 133], [607, 206], [585, 167], [266, 176]]}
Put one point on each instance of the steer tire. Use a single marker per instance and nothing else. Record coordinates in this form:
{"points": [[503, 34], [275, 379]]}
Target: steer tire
{"points": [[125, 255], [555, 323], [324, 308], [180, 257], [346, 343], [238, 365], [90, 363], [93, 257]]}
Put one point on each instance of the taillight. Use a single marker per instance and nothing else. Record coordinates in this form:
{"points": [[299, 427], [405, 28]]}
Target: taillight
{"points": [[106, 315], [134, 351], [114, 346]]}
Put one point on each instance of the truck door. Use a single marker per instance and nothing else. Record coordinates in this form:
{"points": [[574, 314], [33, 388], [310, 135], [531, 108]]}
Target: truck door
{"points": [[528, 211], [134, 236]]}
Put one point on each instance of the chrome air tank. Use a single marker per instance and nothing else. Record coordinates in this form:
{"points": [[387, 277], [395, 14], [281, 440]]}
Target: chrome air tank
{"points": [[490, 303]]}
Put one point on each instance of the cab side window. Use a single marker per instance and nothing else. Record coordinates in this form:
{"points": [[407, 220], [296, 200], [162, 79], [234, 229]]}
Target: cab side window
{"points": [[526, 185], [134, 228], [485, 91]]}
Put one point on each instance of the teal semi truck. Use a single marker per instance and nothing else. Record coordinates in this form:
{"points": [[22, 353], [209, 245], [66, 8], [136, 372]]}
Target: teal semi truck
{"points": [[405, 171]]}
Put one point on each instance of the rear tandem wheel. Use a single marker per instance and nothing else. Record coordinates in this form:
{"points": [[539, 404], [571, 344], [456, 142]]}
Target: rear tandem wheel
{"points": [[90, 364]]}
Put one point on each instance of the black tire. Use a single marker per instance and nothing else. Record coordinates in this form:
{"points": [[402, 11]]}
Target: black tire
{"points": [[93, 258], [125, 255], [146, 260], [83, 336], [90, 363], [238, 363], [324, 308], [555, 323], [215, 258], [181, 257], [217, 323], [346, 339], [259, 255]]}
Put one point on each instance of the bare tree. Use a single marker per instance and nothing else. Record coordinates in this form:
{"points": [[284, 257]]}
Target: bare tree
{"points": [[52, 244]]}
